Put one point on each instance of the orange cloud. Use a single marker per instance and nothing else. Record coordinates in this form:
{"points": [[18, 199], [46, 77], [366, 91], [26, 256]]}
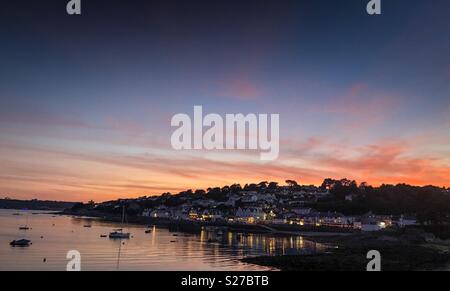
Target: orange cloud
{"points": [[50, 173], [389, 163]]}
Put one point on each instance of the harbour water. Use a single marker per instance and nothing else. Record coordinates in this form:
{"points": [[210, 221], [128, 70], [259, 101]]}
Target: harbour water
{"points": [[53, 236]]}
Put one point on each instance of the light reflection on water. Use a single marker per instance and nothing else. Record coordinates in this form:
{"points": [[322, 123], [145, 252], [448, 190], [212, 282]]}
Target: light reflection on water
{"points": [[53, 236]]}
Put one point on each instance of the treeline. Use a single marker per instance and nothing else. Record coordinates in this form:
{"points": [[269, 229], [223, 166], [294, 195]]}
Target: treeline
{"points": [[34, 204], [429, 203]]}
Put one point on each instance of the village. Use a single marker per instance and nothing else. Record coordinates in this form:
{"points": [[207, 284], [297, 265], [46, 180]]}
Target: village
{"points": [[265, 204]]}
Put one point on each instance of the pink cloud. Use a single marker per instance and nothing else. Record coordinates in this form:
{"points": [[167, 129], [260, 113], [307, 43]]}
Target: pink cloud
{"points": [[361, 107], [100, 176], [123, 124], [238, 87]]}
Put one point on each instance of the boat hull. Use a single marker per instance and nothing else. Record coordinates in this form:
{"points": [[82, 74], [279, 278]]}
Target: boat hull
{"points": [[119, 235], [20, 243]]}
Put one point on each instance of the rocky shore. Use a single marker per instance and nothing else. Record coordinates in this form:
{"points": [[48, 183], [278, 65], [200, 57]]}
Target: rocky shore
{"points": [[408, 250]]}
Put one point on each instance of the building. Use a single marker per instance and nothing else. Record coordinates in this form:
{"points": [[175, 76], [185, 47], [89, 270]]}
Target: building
{"points": [[373, 224], [406, 221], [250, 214], [160, 212]]}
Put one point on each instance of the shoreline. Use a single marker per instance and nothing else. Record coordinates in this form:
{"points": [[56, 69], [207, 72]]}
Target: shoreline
{"points": [[408, 249], [400, 251], [196, 226]]}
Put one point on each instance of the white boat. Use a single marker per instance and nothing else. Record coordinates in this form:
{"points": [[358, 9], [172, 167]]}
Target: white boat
{"points": [[119, 233], [25, 227]]}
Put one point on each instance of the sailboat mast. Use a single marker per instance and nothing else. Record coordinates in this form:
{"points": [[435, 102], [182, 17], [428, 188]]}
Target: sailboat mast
{"points": [[123, 215]]}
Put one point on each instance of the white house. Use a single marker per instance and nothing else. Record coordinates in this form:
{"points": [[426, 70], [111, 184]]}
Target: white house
{"points": [[250, 214], [370, 225], [161, 212], [302, 211], [212, 215], [406, 221]]}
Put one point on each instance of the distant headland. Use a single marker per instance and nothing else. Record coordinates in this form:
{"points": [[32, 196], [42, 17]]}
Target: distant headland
{"points": [[34, 204]]}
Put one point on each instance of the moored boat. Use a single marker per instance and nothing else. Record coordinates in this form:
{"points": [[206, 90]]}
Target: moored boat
{"points": [[25, 227], [20, 243], [119, 233]]}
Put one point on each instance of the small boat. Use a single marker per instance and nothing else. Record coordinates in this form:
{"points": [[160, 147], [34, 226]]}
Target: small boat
{"points": [[103, 236], [148, 231], [20, 243], [88, 226], [25, 226], [118, 233]]}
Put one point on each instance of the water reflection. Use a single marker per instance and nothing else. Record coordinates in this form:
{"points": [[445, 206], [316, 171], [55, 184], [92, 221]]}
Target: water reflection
{"points": [[248, 244], [54, 236]]}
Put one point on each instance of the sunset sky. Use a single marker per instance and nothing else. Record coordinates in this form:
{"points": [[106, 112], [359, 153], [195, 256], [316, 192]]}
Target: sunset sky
{"points": [[86, 101]]}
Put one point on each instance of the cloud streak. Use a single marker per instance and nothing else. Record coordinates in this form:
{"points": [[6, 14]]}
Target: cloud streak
{"points": [[105, 176]]}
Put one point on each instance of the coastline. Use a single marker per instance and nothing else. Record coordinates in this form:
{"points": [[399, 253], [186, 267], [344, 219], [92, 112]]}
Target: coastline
{"points": [[400, 251], [196, 226], [408, 249]]}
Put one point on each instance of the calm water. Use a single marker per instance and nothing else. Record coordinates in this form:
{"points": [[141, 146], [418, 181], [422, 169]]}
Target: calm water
{"points": [[159, 250]]}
